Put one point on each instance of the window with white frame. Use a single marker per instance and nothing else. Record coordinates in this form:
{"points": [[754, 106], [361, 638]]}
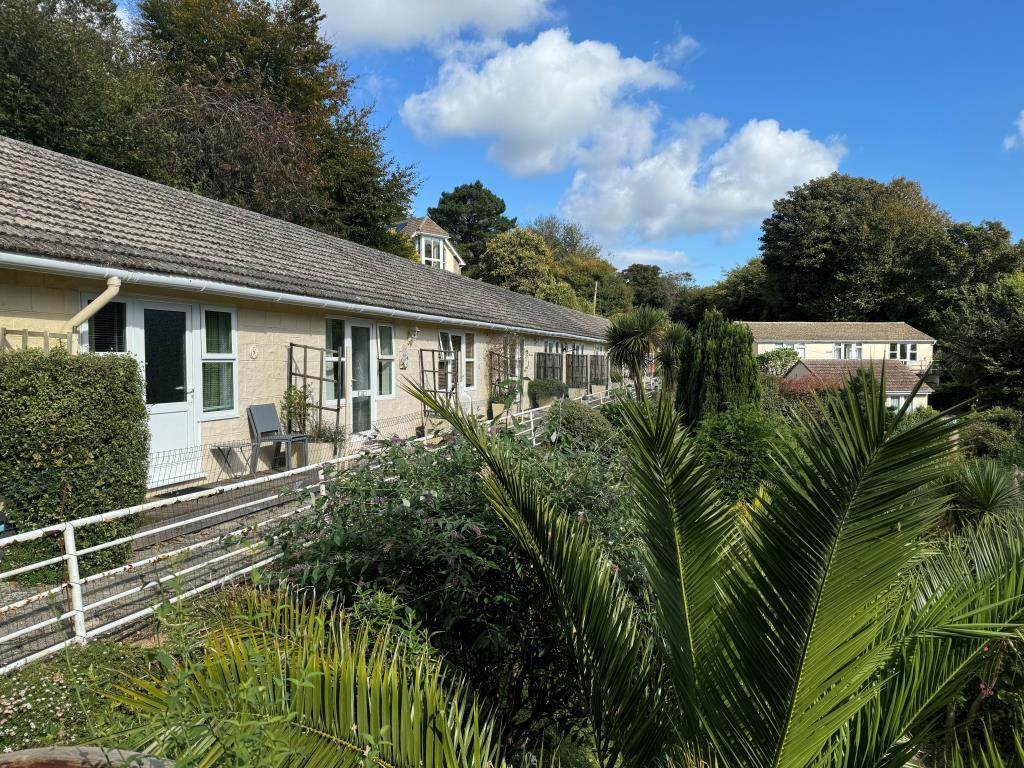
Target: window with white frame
{"points": [[552, 346], [848, 350], [385, 360], [433, 254], [895, 401], [108, 328], [797, 346], [469, 354], [574, 348], [334, 360], [904, 352], [219, 360]]}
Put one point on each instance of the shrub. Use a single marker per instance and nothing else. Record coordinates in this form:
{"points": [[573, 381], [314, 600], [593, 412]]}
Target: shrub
{"points": [[573, 423], [409, 539], [738, 445], [73, 442], [61, 700], [539, 389], [777, 362], [995, 433]]}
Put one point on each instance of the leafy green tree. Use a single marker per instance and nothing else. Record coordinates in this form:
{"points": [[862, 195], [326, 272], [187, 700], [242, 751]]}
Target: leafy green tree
{"points": [[68, 82], [849, 248], [740, 295], [519, 260], [561, 293], [722, 370], [653, 287], [981, 342], [472, 214], [777, 362], [578, 260], [823, 627]]}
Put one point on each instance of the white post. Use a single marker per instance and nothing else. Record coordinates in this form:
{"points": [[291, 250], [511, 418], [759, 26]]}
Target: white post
{"points": [[74, 582]]}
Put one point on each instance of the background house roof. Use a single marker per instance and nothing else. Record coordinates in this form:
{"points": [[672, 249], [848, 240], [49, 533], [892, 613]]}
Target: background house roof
{"points": [[423, 224], [898, 377], [60, 207], [820, 331]]}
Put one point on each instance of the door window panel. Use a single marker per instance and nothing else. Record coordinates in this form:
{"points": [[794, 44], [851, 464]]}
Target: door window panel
{"points": [[360, 358], [361, 408], [164, 332]]}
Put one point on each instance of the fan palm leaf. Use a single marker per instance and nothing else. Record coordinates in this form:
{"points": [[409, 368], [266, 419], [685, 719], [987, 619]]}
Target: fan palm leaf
{"points": [[615, 659], [292, 684]]}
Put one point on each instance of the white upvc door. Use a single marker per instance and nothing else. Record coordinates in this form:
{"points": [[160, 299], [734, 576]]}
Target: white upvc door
{"points": [[163, 338], [363, 369]]}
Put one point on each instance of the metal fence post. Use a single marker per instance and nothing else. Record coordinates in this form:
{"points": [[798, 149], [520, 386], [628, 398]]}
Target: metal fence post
{"points": [[74, 582]]}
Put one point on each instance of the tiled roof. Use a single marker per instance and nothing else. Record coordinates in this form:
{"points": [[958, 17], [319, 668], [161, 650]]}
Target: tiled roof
{"points": [[423, 224], [56, 206], [898, 377], [815, 331]]}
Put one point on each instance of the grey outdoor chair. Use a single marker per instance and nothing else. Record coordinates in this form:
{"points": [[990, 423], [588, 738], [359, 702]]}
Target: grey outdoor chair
{"points": [[265, 429]]}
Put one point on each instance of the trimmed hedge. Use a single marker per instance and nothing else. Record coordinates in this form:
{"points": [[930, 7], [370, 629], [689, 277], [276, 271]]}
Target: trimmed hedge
{"points": [[74, 441], [541, 388]]}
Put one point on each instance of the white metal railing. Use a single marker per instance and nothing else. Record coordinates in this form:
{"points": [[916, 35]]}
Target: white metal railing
{"points": [[103, 602]]}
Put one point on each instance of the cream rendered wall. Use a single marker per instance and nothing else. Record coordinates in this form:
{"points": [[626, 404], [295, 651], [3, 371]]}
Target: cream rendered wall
{"points": [[873, 350], [263, 332], [37, 302]]}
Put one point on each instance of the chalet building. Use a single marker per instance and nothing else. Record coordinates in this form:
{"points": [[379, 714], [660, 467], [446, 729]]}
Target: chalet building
{"points": [[225, 309]]}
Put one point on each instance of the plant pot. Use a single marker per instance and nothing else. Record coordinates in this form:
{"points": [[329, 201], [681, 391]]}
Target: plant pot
{"points": [[497, 409]]}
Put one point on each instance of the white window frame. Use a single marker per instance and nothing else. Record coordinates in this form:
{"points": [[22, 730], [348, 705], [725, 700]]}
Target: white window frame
{"points": [[330, 357], [467, 360], [381, 357], [897, 402], [428, 244], [213, 357], [839, 350], [797, 346], [903, 351], [83, 329], [552, 347]]}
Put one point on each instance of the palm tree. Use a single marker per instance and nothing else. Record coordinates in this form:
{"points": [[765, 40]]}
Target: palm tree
{"points": [[287, 682], [827, 626], [673, 353], [633, 338]]}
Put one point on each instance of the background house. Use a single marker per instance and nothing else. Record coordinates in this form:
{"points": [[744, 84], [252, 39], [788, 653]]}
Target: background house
{"points": [[900, 381], [847, 341], [432, 243]]}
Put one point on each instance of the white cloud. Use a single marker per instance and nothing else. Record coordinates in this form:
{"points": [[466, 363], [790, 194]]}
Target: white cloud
{"points": [[700, 180], [1016, 138], [405, 23], [545, 104], [678, 50]]}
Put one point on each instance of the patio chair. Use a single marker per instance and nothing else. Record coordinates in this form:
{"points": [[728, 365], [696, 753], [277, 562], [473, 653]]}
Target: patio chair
{"points": [[265, 428]]}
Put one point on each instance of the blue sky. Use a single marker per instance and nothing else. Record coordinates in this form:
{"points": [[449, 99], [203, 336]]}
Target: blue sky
{"points": [[668, 128]]}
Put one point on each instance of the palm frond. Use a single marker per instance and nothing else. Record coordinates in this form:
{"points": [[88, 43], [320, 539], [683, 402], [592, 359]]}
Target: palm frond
{"points": [[633, 337], [983, 753], [613, 653], [297, 685], [809, 615], [962, 600], [687, 528]]}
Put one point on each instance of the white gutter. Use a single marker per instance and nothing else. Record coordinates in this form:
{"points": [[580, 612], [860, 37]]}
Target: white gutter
{"points": [[94, 306], [198, 285]]}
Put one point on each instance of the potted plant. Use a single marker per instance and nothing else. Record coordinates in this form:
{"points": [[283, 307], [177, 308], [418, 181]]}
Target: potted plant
{"points": [[544, 392]]}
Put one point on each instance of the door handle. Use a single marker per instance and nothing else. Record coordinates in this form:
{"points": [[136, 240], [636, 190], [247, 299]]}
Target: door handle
{"points": [[186, 390]]}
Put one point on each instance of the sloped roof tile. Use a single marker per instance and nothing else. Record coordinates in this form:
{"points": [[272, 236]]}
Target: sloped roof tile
{"points": [[60, 207], [840, 331]]}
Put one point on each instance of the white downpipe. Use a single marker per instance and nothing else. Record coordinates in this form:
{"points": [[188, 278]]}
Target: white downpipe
{"points": [[94, 306], [197, 285]]}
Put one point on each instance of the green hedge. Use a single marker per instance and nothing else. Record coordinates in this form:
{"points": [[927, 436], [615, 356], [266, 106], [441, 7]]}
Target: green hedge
{"points": [[541, 388], [74, 441]]}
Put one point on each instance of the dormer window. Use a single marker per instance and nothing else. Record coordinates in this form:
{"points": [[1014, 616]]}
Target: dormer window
{"points": [[431, 252]]}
